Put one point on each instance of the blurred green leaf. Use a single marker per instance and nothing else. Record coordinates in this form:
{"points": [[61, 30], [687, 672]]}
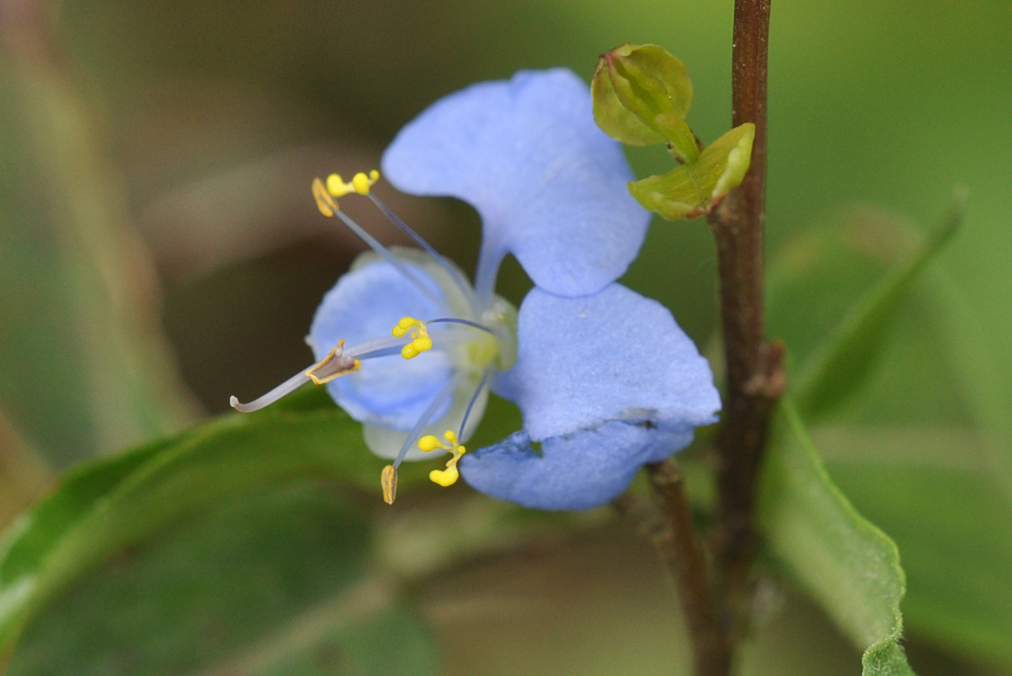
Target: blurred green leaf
{"points": [[219, 586], [846, 564], [696, 188], [930, 490], [110, 504], [392, 642], [811, 290], [814, 278], [931, 405], [79, 334], [842, 363], [24, 475], [977, 377]]}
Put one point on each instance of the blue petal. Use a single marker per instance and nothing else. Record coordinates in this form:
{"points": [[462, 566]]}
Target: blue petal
{"points": [[612, 356], [365, 304], [549, 185], [578, 471]]}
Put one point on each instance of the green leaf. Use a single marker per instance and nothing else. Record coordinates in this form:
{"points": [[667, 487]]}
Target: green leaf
{"points": [[217, 586], [930, 490], [110, 504], [695, 189], [850, 567], [845, 359], [918, 447]]}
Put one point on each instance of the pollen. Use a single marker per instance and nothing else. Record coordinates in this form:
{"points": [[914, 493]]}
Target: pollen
{"points": [[448, 476], [360, 183], [420, 340]]}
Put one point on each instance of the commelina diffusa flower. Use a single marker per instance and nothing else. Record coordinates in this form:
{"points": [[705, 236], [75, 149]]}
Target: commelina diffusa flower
{"points": [[605, 378]]}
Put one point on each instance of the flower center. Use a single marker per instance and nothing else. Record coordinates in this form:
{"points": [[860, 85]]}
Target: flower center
{"points": [[477, 337]]}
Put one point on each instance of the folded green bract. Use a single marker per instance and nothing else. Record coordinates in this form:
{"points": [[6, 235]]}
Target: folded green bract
{"points": [[642, 95]]}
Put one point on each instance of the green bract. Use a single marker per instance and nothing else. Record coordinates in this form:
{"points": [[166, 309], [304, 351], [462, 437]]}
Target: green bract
{"points": [[695, 189], [642, 95]]}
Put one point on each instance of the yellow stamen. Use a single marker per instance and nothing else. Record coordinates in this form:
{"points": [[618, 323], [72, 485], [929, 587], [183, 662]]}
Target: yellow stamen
{"points": [[445, 477], [324, 202], [336, 186], [388, 480], [420, 341], [429, 443], [360, 183], [448, 476], [334, 365]]}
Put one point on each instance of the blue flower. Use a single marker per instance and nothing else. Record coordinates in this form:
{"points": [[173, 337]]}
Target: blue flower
{"points": [[604, 377]]}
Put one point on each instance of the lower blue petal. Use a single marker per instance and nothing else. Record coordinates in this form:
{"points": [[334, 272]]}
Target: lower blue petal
{"points": [[575, 471], [612, 356]]}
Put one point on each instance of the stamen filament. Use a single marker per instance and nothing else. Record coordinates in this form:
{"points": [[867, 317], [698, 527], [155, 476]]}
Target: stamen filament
{"points": [[367, 347], [426, 419], [465, 322], [334, 365], [388, 479], [328, 206], [477, 393], [461, 283], [385, 352], [287, 387], [398, 264]]}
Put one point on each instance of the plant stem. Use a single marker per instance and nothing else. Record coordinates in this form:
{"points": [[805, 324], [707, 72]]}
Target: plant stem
{"points": [[754, 372], [677, 543]]}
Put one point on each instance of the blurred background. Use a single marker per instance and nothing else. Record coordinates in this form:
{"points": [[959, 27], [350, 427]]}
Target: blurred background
{"points": [[160, 250]]}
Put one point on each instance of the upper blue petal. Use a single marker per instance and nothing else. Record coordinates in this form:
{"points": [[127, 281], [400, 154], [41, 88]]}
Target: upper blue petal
{"points": [[365, 304], [576, 471], [549, 185], [612, 356]]}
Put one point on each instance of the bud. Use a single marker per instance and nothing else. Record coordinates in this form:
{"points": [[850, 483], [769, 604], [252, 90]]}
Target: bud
{"points": [[696, 189], [641, 97]]}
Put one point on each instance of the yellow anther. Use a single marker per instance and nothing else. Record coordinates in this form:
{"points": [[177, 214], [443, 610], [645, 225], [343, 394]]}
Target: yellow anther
{"points": [[361, 183], [388, 480], [429, 443], [420, 341], [445, 477], [336, 186], [448, 476], [324, 202], [405, 325], [416, 347]]}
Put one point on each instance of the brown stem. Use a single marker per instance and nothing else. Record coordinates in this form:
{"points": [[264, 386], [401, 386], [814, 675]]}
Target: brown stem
{"points": [[754, 373], [676, 541]]}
